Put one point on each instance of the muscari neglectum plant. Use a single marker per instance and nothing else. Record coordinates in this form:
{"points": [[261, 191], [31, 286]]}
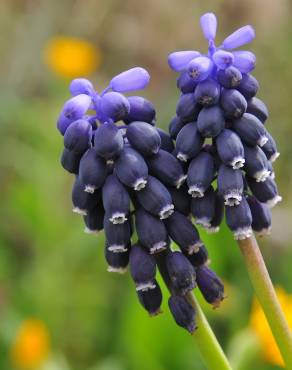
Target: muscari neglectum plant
{"points": [[131, 175]]}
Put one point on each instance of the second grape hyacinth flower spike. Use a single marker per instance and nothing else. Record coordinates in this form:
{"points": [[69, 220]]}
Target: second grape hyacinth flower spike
{"points": [[126, 178], [218, 102]]}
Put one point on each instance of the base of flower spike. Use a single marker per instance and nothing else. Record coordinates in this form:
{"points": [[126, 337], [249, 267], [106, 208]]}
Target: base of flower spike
{"points": [[118, 270], [242, 233], [140, 184], [180, 181], [233, 198], [213, 230], [80, 211], [272, 202], [166, 211], [264, 232], [196, 192], [118, 218], [262, 141], [158, 247], [116, 248], [204, 222], [89, 189], [182, 157], [192, 249], [274, 156], [89, 231], [237, 163], [262, 176], [145, 286]]}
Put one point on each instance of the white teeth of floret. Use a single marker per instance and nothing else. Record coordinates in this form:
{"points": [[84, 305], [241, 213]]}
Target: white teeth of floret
{"points": [[272, 202], [180, 181], [182, 157], [90, 231], [166, 211], [119, 270], [196, 191], [89, 189], [274, 156], [158, 247], [80, 211], [192, 249], [263, 140], [117, 248], [262, 176], [145, 286], [204, 222], [265, 231], [140, 184], [233, 198], [242, 233], [213, 229], [237, 163], [118, 218]]}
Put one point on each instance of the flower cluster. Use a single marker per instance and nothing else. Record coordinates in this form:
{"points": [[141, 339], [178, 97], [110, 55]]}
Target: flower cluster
{"points": [[218, 103], [126, 176]]}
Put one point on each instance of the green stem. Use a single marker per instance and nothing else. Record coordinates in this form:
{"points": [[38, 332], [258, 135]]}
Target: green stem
{"points": [[211, 351], [267, 297]]}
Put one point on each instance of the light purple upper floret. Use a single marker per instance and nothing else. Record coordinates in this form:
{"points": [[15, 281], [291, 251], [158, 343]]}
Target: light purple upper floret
{"points": [[107, 105], [200, 66]]}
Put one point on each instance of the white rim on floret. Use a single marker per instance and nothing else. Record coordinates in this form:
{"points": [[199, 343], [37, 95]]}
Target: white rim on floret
{"points": [[194, 248], [182, 157], [242, 233], [204, 222], [79, 211], [158, 247], [237, 163], [89, 189], [272, 202], [140, 184], [166, 211], [213, 229], [272, 175], [143, 287], [180, 181], [87, 230], [264, 231], [196, 191], [119, 270], [262, 140], [274, 156], [118, 218], [262, 175], [110, 162], [232, 198], [118, 248]]}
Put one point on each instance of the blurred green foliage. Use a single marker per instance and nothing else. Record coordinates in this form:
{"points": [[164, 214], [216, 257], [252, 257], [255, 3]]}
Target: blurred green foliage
{"points": [[49, 268]]}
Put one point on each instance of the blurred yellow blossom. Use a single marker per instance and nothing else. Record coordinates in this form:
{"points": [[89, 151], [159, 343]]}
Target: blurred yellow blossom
{"points": [[31, 345], [71, 57], [260, 326]]}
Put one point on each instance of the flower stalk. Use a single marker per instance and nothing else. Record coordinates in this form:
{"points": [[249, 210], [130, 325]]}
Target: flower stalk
{"points": [[267, 297]]}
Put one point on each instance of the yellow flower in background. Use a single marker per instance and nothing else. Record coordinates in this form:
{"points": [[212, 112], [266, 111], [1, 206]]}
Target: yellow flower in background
{"points": [[260, 326], [71, 57], [31, 345]]}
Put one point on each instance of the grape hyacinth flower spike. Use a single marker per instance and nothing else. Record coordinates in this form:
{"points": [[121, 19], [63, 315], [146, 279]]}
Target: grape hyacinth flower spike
{"points": [[127, 178], [218, 100]]}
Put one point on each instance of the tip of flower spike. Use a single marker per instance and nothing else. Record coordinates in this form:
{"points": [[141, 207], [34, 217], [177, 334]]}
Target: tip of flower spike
{"points": [[274, 156], [89, 189], [119, 270], [238, 38], [79, 211], [180, 181], [272, 202], [90, 231], [136, 78], [262, 175], [158, 247], [166, 211], [242, 233], [143, 287], [208, 22], [118, 218], [117, 248]]}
